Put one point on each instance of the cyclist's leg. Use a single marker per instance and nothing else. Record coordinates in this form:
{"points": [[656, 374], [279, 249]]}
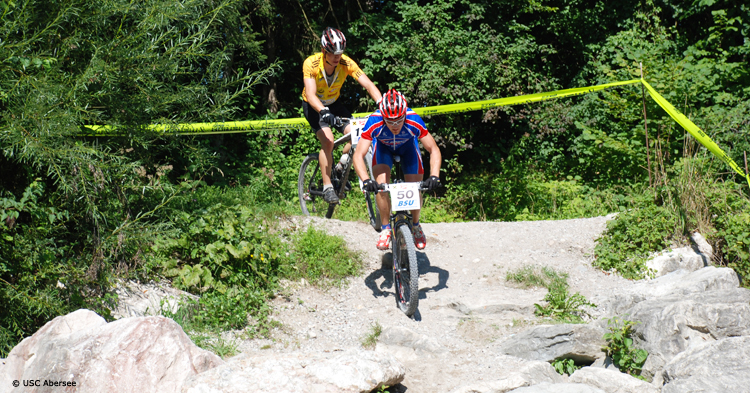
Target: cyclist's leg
{"points": [[325, 136], [382, 162], [382, 173], [411, 163]]}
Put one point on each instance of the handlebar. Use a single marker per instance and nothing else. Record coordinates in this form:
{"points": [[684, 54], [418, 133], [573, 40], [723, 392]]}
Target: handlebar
{"points": [[384, 186], [339, 121]]}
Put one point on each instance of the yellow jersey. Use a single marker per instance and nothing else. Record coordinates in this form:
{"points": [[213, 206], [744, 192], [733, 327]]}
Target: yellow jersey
{"points": [[313, 68]]}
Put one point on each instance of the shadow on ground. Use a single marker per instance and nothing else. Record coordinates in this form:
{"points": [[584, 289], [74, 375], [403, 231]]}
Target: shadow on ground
{"points": [[380, 281]]}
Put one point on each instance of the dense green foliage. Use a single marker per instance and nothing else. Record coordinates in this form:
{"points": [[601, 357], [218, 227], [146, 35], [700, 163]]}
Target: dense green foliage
{"points": [[689, 199], [76, 212]]}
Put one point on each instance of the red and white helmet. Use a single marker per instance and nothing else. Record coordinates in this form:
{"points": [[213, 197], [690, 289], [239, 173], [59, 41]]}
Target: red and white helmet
{"points": [[333, 41], [393, 105]]}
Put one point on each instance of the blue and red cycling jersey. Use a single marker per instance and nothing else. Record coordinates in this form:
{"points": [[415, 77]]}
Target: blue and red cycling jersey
{"points": [[404, 144], [413, 127]]}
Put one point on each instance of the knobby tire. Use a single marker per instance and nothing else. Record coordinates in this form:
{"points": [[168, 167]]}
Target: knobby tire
{"points": [[405, 270]]}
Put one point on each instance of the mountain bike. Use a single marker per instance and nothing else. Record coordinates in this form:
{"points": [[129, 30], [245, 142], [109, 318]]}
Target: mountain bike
{"points": [[310, 181], [404, 198]]}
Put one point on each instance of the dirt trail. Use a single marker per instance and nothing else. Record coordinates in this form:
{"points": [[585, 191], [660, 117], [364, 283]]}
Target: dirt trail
{"points": [[465, 304]]}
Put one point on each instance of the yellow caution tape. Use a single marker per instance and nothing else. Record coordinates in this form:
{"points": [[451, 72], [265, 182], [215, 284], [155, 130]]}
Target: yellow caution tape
{"points": [[696, 132], [229, 127], [301, 122], [525, 99]]}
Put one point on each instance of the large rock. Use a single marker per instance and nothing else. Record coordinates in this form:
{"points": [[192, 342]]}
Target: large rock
{"points": [[400, 336], [136, 299], [679, 283], [522, 373], [702, 247], [582, 343], [684, 258], [356, 370], [676, 323], [719, 366], [144, 354], [611, 381]]}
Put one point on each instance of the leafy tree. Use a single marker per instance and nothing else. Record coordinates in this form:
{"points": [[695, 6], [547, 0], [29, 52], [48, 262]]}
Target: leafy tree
{"points": [[76, 210]]}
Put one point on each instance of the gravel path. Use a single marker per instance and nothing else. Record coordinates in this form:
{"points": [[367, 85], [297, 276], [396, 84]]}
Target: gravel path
{"points": [[465, 305]]}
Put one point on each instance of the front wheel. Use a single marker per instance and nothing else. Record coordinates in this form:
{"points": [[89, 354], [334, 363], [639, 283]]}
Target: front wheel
{"points": [[405, 270], [310, 189]]}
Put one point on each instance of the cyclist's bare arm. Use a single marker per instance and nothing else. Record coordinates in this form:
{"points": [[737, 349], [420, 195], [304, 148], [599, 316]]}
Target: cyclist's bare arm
{"points": [[359, 158], [370, 87], [312, 99], [429, 144]]}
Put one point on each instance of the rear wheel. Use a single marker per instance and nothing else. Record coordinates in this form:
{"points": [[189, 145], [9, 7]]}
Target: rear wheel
{"points": [[310, 189], [405, 270]]}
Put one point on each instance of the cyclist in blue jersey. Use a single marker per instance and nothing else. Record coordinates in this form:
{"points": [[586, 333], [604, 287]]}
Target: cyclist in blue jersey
{"points": [[395, 129]]}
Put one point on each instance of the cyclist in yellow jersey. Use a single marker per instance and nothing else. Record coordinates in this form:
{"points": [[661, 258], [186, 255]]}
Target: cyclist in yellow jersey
{"points": [[323, 75]]}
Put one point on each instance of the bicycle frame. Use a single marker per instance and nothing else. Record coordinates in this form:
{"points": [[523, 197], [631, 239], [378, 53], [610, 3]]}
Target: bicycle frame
{"points": [[346, 138], [310, 187]]}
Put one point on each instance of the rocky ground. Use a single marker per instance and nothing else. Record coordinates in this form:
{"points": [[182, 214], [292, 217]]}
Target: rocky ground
{"points": [[466, 307]]}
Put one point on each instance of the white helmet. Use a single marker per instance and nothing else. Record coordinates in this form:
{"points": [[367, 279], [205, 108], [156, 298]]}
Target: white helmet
{"points": [[333, 41]]}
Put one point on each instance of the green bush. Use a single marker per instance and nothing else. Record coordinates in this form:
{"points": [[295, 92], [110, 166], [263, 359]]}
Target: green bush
{"points": [[220, 247], [226, 252], [517, 192], [233, 257], [629, 239], [561, 305], [41, 274], [730, 211], [560, 200], [489, 196], [625, 356], [688, 198]]}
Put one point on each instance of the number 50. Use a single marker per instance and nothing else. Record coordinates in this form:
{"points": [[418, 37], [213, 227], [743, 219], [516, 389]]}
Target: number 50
{"points": [[405, 194]]}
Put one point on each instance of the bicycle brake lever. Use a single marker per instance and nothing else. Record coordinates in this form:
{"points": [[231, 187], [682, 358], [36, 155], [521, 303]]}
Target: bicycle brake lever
{"points": [[339, 121]]}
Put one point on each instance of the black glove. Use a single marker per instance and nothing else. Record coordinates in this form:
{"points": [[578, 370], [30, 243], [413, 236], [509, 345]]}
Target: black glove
{"points": [[327, 117], [431, 184], [369, 185]]}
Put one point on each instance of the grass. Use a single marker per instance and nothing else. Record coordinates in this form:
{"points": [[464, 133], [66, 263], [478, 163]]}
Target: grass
{"points": [[215, 343], [371, 338], [561, 305], [535, 276], [322, 259]]}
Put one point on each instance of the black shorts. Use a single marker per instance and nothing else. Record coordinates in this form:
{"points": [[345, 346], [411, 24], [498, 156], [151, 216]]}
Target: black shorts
{"points": [[313, 117]]}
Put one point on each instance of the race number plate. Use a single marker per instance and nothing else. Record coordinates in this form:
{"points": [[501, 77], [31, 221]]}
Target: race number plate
{"points": [[404, 196], [358, 125]]}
